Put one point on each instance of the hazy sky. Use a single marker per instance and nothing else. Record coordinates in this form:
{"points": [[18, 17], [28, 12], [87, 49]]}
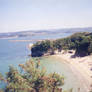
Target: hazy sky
{"points": [[20, 15]]}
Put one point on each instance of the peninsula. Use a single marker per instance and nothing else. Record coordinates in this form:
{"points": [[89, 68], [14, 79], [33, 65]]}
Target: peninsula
{"points": [[75, 51]]}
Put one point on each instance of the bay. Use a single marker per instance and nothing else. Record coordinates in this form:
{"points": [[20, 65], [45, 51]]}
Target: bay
{"points": [[15, 53]]}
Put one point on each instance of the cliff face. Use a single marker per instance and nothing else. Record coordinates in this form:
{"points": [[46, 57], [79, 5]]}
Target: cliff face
{"points": [[36, 54], [40, 53]]}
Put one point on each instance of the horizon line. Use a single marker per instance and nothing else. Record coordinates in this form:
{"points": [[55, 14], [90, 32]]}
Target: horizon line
{"points": [[34, 30]]}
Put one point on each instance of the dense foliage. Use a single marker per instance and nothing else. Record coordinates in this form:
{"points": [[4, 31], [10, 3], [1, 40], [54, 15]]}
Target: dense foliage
{"points": [[31, 79], [80, 42]]}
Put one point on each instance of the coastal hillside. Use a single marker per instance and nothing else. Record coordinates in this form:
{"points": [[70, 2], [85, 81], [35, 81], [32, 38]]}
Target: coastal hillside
{"points": [[80, 42], [43, 32]]}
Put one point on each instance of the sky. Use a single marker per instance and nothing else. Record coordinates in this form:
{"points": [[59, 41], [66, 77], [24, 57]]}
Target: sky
{"points": [[22, 15]]}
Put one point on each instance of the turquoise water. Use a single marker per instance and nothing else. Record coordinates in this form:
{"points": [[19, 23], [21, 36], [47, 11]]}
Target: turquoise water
{"points": [[14, 53], [17, 52]]}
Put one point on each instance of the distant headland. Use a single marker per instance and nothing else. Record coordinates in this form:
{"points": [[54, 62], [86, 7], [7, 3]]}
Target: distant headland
{"points": [[29, 33]]}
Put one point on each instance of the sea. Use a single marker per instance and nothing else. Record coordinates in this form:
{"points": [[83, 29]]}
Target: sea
{"points": [[17, 52]]}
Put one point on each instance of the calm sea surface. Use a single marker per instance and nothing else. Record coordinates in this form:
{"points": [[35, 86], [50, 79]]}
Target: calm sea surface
{"points": [[14, 53]]}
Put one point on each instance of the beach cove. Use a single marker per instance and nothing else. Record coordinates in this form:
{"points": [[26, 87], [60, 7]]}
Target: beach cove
{"points": [[80, 67], [51, 63], [74, 73], [77, 74]]}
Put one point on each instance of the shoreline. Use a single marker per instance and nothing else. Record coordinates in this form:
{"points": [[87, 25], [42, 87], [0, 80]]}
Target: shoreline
{"points": [[81, 67]]}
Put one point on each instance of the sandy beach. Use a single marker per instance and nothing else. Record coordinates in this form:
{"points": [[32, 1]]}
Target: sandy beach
{"points": [[81, 67]]}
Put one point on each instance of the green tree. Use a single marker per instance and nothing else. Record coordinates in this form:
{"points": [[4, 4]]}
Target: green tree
{"points": [[32, 79]]}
